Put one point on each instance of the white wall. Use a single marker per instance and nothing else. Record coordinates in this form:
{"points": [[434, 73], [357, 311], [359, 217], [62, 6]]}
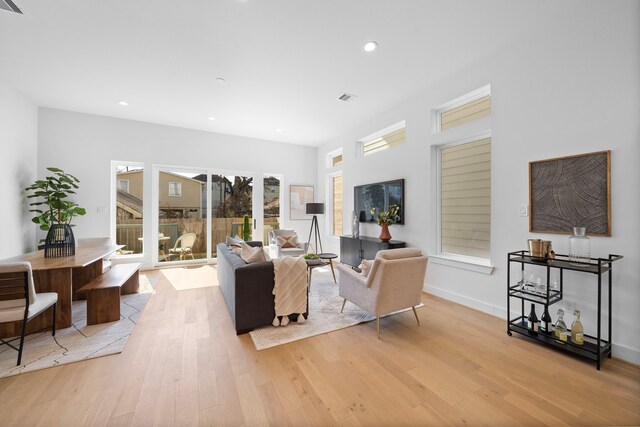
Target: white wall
{"points": [[84, 145], [571, 89], [18, 145]]}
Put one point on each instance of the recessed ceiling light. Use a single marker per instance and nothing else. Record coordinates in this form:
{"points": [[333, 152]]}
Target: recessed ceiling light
{"points": [[220, 80], [370, 46], [211, 118], [278, 130], [125, 103]]}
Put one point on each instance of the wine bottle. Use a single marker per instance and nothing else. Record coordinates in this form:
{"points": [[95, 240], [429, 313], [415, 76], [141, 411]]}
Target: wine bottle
{"points": [[533, 324], [577, 331], [546, 322]]}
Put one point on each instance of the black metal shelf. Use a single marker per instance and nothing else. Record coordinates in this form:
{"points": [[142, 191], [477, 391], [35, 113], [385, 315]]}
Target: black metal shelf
{"points": [[595, 265], [589, 349], [595, 347], [518, 292]]}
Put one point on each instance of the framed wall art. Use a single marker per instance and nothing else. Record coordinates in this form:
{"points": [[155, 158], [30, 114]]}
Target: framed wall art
{"points": [[572, 191], [299, 196]]}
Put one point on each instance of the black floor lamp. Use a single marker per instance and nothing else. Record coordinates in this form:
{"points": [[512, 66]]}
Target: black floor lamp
{"points": [[315, 209]]}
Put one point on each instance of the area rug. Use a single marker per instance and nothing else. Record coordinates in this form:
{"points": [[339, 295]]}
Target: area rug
{"points": [[80, 341], [324, 315]]}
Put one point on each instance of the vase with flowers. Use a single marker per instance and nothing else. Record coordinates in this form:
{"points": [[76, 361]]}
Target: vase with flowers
{"points": [[386, 218]]}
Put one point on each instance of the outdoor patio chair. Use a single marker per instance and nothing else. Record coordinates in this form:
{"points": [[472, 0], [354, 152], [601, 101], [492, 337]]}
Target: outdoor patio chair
{"points": [[183, 246]]}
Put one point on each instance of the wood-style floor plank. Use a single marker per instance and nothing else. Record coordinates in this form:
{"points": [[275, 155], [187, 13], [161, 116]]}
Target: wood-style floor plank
{"points": [[184, 365]]}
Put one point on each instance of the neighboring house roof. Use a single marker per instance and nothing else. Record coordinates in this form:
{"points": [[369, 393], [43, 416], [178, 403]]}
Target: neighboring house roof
{"points": [[194, 179], [129, 203], [214, 178]]}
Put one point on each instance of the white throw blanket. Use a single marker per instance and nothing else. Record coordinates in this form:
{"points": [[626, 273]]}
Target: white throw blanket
{"points": [[290, 288]]}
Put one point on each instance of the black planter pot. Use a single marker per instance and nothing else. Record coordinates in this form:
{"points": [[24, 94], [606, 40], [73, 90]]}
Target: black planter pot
{"points": [[59, 242]]}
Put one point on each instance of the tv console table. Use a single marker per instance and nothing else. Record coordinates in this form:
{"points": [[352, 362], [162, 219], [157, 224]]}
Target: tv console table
{"points": [[354, 249]]}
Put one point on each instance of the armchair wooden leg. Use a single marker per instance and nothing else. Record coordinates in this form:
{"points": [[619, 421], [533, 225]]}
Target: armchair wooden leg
{"points": [[416, 314], [378, 322], [343, 303]]}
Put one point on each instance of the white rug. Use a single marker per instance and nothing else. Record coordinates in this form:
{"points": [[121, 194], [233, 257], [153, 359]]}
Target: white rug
{"points": [[79, 342], [324, 315]]}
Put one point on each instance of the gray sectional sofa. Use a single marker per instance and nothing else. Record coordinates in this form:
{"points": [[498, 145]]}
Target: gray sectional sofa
{"points": [[247, 289]]}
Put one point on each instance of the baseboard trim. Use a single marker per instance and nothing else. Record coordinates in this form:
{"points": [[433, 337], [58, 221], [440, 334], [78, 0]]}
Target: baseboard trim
{"points": [[625, 353]]}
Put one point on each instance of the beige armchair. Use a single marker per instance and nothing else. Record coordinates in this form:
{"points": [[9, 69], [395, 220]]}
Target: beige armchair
{"points": [[395, 282], [287, 243]]}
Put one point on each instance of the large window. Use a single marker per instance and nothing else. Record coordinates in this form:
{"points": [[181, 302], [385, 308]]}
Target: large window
{"points": [[383, 140], [336, 192], [465, 197], [129, 207]]}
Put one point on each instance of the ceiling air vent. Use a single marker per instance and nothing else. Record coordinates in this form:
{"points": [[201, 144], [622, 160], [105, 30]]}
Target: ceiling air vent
{"points": [[346, 97], [10, 6]]}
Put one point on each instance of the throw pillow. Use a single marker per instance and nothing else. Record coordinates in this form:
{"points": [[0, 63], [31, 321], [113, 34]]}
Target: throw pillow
{"points": [[234, 241], [365, 266], [251, 255], [288, 241]]}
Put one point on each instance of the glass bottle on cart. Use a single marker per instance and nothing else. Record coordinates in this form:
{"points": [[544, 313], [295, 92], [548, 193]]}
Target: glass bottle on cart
{"points": [[577, 330], [561, 327]]}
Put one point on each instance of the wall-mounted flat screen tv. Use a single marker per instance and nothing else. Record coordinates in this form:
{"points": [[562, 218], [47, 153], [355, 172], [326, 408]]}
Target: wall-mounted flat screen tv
{"points": [[379, 195]]}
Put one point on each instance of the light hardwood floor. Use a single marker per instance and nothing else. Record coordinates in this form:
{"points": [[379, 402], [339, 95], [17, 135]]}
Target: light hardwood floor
{"points": [[184, 365]]}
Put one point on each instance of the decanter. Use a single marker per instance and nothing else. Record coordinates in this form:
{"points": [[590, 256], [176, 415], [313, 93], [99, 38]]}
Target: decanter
{"points": [[579, 246]]}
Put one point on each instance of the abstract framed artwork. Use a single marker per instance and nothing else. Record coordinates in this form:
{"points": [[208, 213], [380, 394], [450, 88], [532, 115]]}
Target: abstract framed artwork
{"points": [[571, 191], [299, 196]]}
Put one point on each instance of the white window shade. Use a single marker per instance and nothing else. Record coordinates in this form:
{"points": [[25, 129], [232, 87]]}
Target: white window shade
{"points": [[465, 113], [465, 209], [384, 142]]}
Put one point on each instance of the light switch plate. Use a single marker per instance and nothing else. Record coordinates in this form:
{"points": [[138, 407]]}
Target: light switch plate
{"points": [[524, 210]]}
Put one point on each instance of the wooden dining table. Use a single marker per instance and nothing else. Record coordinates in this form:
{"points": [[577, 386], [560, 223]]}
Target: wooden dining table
{"points": [[64, 275]]}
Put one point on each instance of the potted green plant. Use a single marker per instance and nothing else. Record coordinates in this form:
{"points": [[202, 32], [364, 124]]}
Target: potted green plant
{"points": [[54, 212], [246, 228], [386, 218]]}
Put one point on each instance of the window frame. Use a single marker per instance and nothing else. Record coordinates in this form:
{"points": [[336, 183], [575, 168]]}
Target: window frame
{"points": [[458, 102], [113, 220], [331, 156], [478, 264], [361, 143], [179, 187], [329, 223]]}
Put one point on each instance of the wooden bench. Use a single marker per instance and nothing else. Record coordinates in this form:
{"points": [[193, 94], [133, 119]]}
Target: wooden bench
{"points": [[103, 292]]}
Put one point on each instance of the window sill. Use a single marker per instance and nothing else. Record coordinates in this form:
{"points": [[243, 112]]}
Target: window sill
{"points": [[462, 262]]}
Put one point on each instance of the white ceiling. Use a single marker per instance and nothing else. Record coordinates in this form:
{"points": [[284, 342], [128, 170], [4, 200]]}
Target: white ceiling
{"points": [[285, 61]]}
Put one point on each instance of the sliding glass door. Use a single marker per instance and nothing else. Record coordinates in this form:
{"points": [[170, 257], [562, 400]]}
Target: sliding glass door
{"points": [[198, 209], [270, 205], [231, 201], [182, 219]]}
